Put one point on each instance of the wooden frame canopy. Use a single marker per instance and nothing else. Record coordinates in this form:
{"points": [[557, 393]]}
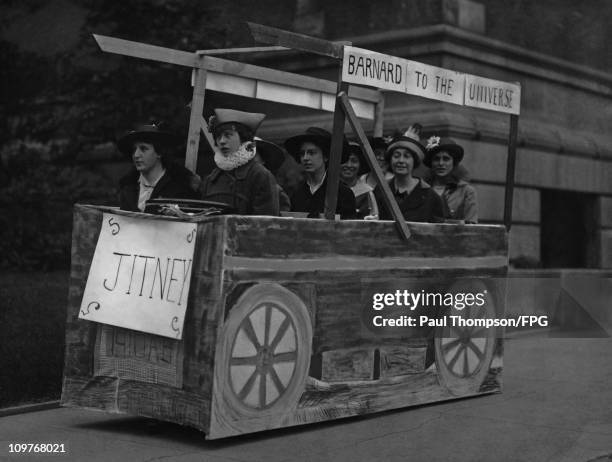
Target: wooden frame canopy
{"points": [[283, 87], [246, 80]]}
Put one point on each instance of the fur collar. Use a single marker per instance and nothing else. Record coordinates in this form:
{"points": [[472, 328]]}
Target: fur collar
{"points": [[244, 154]]}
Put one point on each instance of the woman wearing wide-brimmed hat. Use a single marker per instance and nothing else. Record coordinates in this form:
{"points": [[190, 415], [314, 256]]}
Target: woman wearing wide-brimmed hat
{"points": [[443, 156], [239, 179], [155, 174], [416, 199], [311, 150], [350, 172]]}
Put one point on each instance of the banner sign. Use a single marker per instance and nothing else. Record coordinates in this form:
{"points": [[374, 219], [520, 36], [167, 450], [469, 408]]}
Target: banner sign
{"points": [[140, 274], [492, 94], [435, 82], [364, 67]]}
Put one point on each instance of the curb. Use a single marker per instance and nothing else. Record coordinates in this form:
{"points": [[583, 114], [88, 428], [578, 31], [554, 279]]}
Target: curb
{"points": [[29, 408]]}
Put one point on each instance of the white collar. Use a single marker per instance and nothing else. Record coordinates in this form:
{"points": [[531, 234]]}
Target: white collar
{"points": [[315, 187], [143, 181]]}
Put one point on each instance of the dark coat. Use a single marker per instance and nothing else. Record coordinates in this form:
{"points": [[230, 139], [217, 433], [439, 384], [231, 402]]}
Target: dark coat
{"points": [[283, 199], [422, 204], [250, 189], [303, 201], [175, 184]]}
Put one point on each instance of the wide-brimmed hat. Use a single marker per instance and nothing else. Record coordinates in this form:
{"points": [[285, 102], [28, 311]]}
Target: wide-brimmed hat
{"points": [[315, 135], [271, 154], [355, 148], [408, 142], [436, 144], [148, 133], [377, 142], [251, 120]]}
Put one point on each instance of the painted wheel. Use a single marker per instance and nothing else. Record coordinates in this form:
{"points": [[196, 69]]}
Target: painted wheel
{"points": [[464, 353], [264, 357]]}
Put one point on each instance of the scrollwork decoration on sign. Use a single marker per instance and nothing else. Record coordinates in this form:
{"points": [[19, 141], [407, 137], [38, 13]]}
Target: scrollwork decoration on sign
{"points": [[114, 226], [94, 305], [191, 236], [174, 327]]}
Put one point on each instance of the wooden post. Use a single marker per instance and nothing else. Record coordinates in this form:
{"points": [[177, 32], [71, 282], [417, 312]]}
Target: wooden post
{"points": [[225, 51], [510, 167], [371, 159], [197, 107], [379, 116], [335, 154], [279, 37], [207, 134]]}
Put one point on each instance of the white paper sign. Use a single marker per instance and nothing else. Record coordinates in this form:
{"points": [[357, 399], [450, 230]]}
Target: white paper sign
{"points": [[492, 94], [140, 274], [435, 83], [365, 67]]}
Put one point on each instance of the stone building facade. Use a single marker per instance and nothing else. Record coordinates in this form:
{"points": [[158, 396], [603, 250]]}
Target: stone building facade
{"points": [[562, 213]]}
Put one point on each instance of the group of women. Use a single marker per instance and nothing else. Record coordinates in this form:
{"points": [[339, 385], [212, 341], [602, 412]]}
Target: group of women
{"points": [[443, 195], [244, 176]]}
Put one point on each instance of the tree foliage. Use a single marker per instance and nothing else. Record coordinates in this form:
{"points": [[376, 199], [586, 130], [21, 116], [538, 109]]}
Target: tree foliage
{"points": [[56, 109], [36, 198]]}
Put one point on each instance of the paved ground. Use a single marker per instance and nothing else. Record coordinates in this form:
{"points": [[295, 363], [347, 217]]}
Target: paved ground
{"points": [[556, 406]]}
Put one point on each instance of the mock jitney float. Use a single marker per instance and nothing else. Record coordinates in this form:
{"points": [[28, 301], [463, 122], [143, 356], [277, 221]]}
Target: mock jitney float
{"points": [[236, 324]]}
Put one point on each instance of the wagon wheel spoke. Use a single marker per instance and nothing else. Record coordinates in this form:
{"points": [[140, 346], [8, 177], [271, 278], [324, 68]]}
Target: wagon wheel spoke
{"points": [[250, 333], [290, 356], [455, 357], [267, 325], [466, 370], [280, 333], [244, 361], [248, 386], [277, 381], [476, 350], [446, 347], [262, 390]]}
